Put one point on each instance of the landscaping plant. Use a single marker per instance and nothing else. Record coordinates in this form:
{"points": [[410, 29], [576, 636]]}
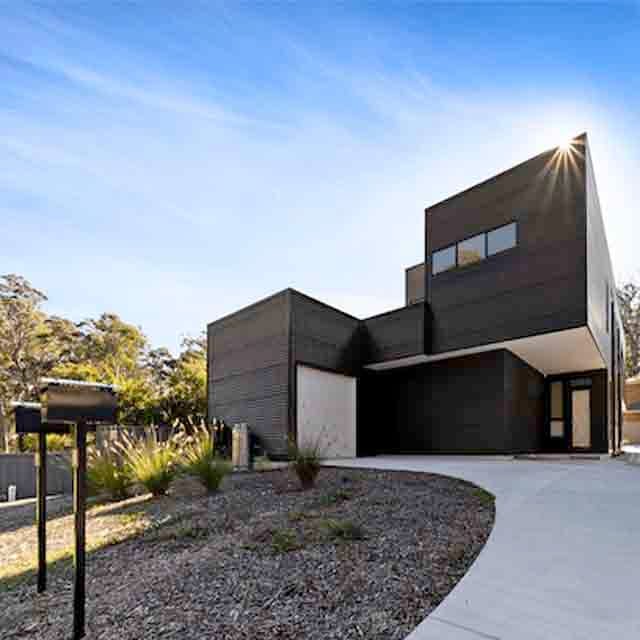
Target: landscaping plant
{"points": [[107, 474], [306, 458], [150, 462], [200, 460]]}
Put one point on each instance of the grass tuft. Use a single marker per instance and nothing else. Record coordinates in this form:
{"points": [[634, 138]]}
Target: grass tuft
{"points": [[284, 541], [485, 497], [199, 459], [343, 530], [306, 458], [107, 474], [151, 463]]}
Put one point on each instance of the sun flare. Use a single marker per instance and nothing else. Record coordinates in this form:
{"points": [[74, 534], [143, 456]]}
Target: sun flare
{"points": [[566, 144]]}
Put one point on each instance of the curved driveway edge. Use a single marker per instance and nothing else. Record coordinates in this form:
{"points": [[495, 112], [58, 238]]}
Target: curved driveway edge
{"points": [[563, 560]]}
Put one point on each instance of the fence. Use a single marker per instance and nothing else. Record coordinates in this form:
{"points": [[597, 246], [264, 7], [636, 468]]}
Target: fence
{"points": [[18, 469]]}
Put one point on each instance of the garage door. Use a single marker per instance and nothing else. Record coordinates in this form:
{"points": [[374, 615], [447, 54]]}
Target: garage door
{"points": [[326, 411]]}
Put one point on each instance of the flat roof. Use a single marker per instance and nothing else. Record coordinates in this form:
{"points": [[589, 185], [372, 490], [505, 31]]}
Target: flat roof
{"points": [[63, 382]]}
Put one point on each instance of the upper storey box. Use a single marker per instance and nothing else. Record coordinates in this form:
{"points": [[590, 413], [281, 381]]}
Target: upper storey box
{"points": [[519, 255]]}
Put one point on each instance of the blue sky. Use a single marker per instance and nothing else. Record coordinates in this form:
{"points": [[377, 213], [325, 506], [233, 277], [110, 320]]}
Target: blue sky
{"points": [[173, 163]]}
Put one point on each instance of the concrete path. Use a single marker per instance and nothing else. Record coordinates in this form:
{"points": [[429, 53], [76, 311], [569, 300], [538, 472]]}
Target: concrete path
{"points": [[563, 560]]}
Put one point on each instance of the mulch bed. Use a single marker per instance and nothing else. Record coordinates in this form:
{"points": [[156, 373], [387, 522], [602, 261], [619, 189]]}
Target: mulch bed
{"points": [[364, 554]]}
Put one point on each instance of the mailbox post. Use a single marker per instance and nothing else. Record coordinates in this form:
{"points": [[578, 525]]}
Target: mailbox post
{"points": [[28, 420], [79, 519], [81, 405], [41, 509]]}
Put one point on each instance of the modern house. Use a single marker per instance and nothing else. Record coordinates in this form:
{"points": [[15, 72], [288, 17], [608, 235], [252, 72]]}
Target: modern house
{"points": [[510, 340]]}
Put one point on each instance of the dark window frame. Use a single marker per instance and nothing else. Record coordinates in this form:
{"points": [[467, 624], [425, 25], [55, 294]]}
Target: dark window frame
{"points": [[482, 235], [487, 256], [455, 259], [488, 231]]}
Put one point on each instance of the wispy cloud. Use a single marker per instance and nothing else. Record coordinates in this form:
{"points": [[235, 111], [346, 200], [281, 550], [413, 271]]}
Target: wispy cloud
{"points": [[174, 195]]}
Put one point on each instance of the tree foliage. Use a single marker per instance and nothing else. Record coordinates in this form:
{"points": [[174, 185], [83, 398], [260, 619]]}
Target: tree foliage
{"points": [[629, 304], [154, 386]]}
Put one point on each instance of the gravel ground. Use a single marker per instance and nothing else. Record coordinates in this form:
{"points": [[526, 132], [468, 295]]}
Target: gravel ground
{"points": [[364, 554]]}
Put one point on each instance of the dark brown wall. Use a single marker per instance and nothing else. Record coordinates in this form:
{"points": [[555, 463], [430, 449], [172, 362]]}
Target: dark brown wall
{"points": [[249, 370], [603, 315], [463, 405], [396, 334], [322, 337], [414, 285], [537, 287], [254, 352], [524, 399]]}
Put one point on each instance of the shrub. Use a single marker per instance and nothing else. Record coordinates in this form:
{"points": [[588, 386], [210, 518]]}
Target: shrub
{"points": [[335, 497], [151, 463], [284, 540], [106, 473], [344, 530], [306, 459], [199, 459], [55, 442]]}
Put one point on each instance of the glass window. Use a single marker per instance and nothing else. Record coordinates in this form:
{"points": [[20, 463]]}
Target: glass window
{"points": [[444, 260], [557, 400], [471, 250], [501, 239]]}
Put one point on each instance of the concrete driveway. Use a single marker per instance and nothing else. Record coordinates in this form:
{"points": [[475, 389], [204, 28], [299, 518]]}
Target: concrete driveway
{"points": [[563, 560]]}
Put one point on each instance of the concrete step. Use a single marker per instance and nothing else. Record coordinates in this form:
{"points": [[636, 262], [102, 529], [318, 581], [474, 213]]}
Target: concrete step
{"points": [[631, 453], [562, 457]]}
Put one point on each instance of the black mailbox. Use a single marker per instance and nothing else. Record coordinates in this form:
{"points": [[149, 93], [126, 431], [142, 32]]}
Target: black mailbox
{"points": [[72, 401], [28, 420]]}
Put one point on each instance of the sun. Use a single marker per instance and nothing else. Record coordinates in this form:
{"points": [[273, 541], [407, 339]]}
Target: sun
{"points": [[566, 144]]}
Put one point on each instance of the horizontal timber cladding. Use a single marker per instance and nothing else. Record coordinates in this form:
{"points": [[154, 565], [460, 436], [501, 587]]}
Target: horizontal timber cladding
{"points": [[249, 370], [537, 286], [415, 279], [323, 336], [525, 404], [463, 405], [396, 334]]}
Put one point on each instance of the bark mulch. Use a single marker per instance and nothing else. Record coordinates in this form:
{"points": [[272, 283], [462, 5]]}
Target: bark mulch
{"points": [[365, 554]]}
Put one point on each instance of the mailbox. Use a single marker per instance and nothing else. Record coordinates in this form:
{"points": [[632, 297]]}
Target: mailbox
{"points": [[72, 401], [28, 420]]}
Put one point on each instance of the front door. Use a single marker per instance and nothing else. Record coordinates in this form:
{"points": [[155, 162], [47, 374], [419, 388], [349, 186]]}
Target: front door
{"points": [[581, 418]]}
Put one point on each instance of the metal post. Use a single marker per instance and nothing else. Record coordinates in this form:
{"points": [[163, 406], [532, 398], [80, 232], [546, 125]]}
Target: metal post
{"points": [[79, 500], [41, 509]]}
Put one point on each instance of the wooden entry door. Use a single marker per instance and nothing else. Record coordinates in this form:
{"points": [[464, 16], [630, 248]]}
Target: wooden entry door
{"points": [[581, 418]]}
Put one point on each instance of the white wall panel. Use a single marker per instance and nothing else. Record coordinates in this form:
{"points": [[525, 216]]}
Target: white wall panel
{"points": [[326, 411]]}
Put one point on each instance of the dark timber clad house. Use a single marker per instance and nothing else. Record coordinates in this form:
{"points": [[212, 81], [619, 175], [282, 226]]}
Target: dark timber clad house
{"points": [[510, 340]]}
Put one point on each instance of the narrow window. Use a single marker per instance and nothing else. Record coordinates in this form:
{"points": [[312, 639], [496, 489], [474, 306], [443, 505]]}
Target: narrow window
{"points": [[471, 250], [606, 310], [501, 239], [557, 410], [444, 260]]}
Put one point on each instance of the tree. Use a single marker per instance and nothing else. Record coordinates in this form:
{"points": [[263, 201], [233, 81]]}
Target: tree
{"points": [[185, 402], [30, 344], [153, 385], [112, 351], [629, 304]]}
